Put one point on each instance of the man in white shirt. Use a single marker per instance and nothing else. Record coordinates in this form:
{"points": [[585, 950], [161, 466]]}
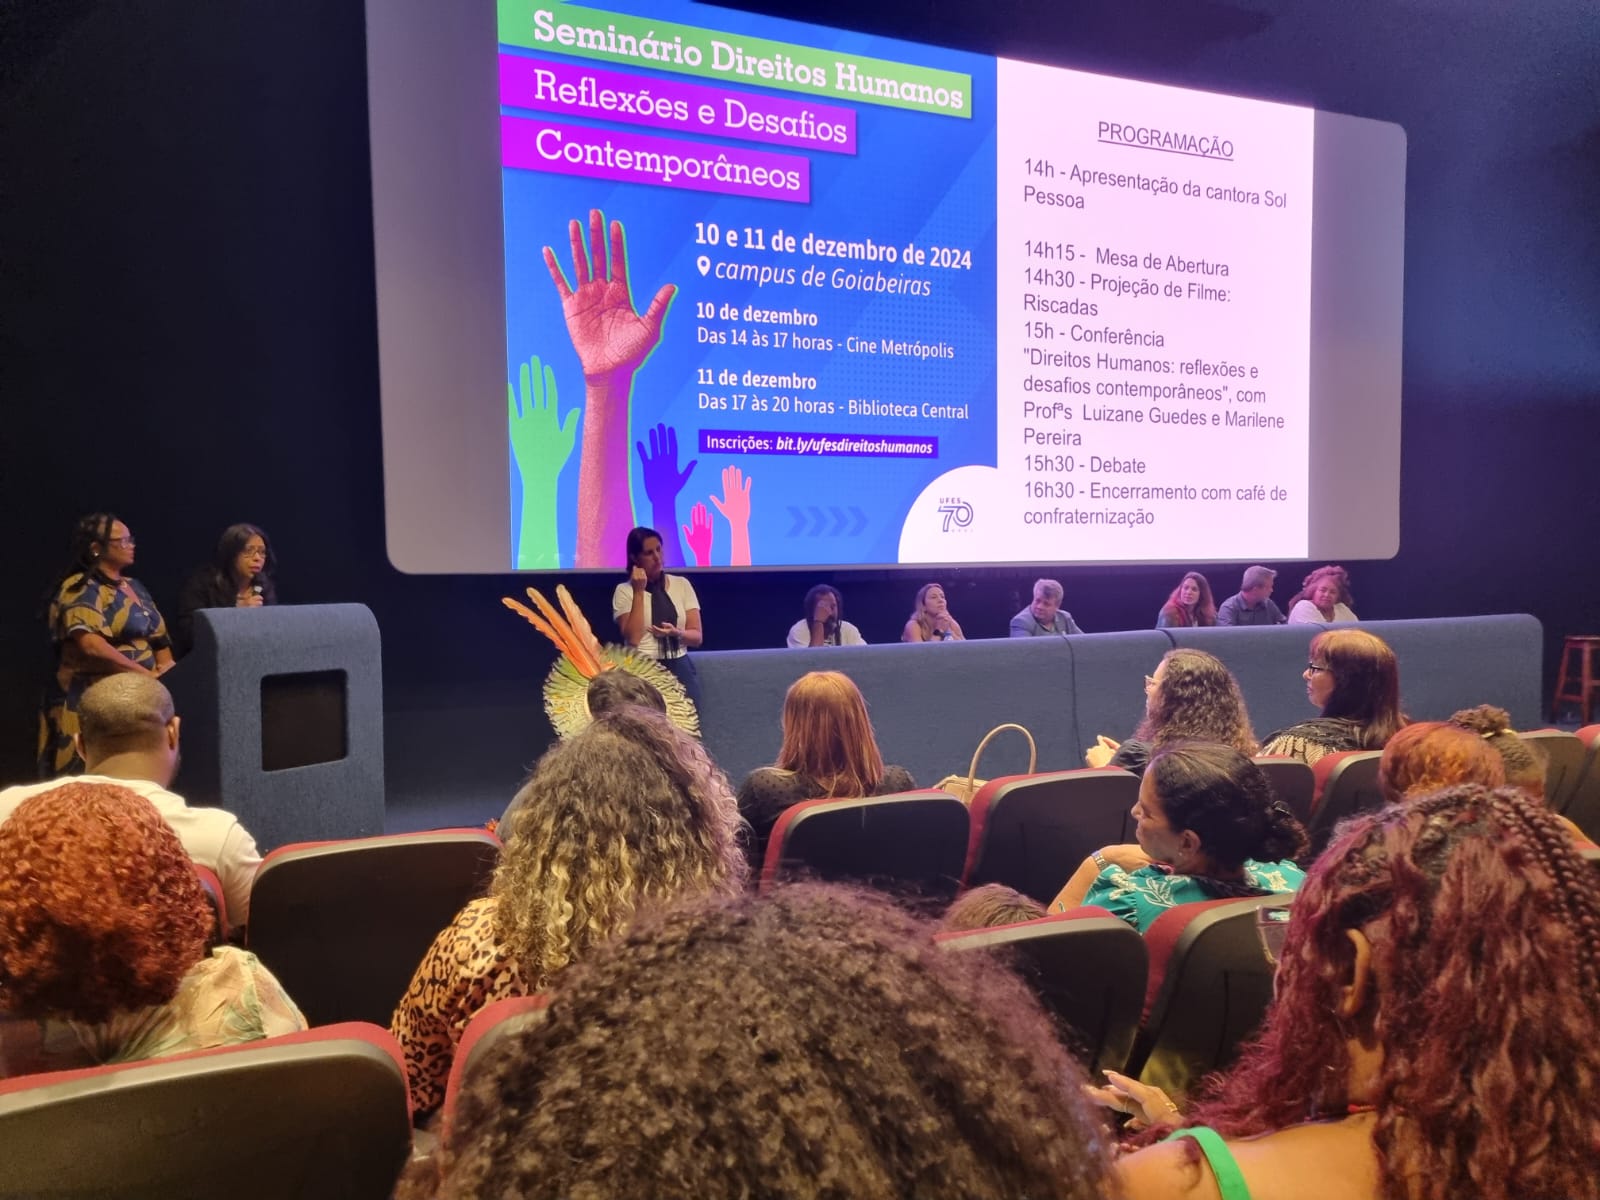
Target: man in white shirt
{"points": [[128, 735]]}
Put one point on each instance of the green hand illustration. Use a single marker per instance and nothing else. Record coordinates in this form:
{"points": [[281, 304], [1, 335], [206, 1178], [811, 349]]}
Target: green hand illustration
{"points": [[541, 444]]}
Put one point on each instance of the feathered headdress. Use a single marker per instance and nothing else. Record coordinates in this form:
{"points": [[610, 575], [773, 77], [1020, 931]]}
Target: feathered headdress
{"points": [[583, 657]]}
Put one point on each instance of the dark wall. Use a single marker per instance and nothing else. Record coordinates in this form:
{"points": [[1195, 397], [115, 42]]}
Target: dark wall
{"points": [[188, 337]]}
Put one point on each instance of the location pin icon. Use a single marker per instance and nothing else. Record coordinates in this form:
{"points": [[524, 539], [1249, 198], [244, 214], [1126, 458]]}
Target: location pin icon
{"points": [[703, 263]]}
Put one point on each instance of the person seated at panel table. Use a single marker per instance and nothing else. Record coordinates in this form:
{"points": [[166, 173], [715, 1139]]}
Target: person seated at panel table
{"points": [[811, 1043], [1324, 596], [823, 623], [1432, 1033], [1208, 828], [103, 941], [1354, 679], [1044, 617], [1191, 697], [128, 735], [626, 815], [1252, 603], [238, 576], [930, 619], [829, 751], [102, 622], [1190, 604]]}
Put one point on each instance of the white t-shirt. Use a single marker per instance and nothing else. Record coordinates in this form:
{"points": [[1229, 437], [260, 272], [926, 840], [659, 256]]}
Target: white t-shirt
{"points": [[211, 837], [800, 635], [1306, 613], [681, 592]]}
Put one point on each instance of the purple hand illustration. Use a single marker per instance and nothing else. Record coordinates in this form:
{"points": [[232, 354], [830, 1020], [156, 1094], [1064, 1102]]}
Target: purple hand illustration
{"points": [[662, 483], [612, 340], [735, 506], [698, 534]]}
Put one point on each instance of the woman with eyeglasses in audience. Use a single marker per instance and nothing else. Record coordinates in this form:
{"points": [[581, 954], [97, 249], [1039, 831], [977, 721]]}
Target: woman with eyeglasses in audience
{"points": [[1192, 697], [238, 576], [1353, 678], [1433, 1032], [627, 814], [104, 934], [829, 751], [1208, 828], [810, 1044], [102, 620]]}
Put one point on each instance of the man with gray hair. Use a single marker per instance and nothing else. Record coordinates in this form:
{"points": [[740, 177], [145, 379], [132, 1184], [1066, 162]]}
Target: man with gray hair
{"points": [[1252, 605], [128, 735], [1044, 616]]}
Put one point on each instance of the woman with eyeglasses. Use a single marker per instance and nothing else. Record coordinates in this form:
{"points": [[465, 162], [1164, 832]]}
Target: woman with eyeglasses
{"points": [[238, 576], [101, 621], [1353, 678], [1192, 697]]}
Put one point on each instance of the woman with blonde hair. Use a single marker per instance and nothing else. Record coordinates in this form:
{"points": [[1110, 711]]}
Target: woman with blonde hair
{"points": [[624, 816], [930, 619], [829, 751]]}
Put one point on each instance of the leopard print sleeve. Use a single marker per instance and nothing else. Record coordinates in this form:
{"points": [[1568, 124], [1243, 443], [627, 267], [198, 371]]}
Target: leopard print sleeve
{"points": [[464, 970]]}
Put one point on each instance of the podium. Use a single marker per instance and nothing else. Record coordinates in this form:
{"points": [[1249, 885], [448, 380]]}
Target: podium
{"points": [[282, 720]]}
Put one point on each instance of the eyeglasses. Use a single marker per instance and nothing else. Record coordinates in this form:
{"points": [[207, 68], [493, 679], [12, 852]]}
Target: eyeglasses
{"points": [[127, 542], [1318, 668]]}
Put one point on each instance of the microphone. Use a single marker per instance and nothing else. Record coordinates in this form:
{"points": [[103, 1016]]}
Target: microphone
{"points": [[255, 584]]}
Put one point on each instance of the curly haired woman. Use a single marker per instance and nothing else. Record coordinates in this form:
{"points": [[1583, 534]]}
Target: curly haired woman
{"points": [[103, 933], [811, 1044], [625, 815], [1324, 595], [1191, 697], [1433, 1032]]}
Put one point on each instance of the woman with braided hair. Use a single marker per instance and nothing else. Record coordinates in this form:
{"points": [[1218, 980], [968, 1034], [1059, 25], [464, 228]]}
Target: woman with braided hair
{"points": [[1433, 1036]]}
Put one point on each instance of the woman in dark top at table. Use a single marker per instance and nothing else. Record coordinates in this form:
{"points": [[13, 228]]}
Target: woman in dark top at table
{"points": [[1189, 604], [101, 621], [239, 576], [829, 751]]}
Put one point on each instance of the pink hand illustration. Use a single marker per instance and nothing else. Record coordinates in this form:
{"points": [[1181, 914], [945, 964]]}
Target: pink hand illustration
{"points": [[735, 506], [698, 534], [613, 341]]}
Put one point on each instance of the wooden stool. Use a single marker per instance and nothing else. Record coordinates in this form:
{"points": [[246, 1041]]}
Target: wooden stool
{"points": [[1584, 680]]}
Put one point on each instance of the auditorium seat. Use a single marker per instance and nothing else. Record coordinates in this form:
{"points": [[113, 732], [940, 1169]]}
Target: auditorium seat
{"points": [[1209, 986], [1088, 969], [1347, 784], [1564, 756], [314, 1115], [217, 899], [1031, 832], [1583, 805], [484, 1039], [908, 840], [1292, 782], [343, 925]]}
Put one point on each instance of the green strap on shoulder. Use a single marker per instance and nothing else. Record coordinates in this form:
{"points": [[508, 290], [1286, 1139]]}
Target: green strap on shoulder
{"points": [[1230, 1180]]}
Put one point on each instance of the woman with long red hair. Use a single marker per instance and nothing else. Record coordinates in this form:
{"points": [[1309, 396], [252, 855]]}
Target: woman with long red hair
{"points": [[1433, 1035], [829, 751], [1189, 604]]}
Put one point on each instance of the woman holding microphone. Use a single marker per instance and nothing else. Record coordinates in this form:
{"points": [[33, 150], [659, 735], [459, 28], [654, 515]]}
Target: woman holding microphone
{"points": [[659, 614]]}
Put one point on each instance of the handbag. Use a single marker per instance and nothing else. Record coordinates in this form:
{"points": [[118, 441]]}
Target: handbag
{"points": [[965, 787]]}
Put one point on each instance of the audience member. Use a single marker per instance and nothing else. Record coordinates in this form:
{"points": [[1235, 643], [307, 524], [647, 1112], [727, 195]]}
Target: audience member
{"points": [[1428, 755], [102, 622], [1044, 617], [625, 815], [990, 905], [128, 736], [1354, 679], [931, 620], [824, 623], [1525, 766], [1192, 697], [1433, 1035], [1189, 604], [1323, 596], [829, 751], [611, 690], [814, 1045], [1252, 603], [1208, 828], [239, 576], [103, 933]]}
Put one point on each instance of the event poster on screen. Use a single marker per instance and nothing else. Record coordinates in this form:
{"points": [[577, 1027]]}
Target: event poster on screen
{"points": [[796, 296]]}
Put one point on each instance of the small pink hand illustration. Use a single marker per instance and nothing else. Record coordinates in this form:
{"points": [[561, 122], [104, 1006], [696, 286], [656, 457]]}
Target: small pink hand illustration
{"points": [[662, 483], [698, 533], [735, 506], [612, 340]]}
